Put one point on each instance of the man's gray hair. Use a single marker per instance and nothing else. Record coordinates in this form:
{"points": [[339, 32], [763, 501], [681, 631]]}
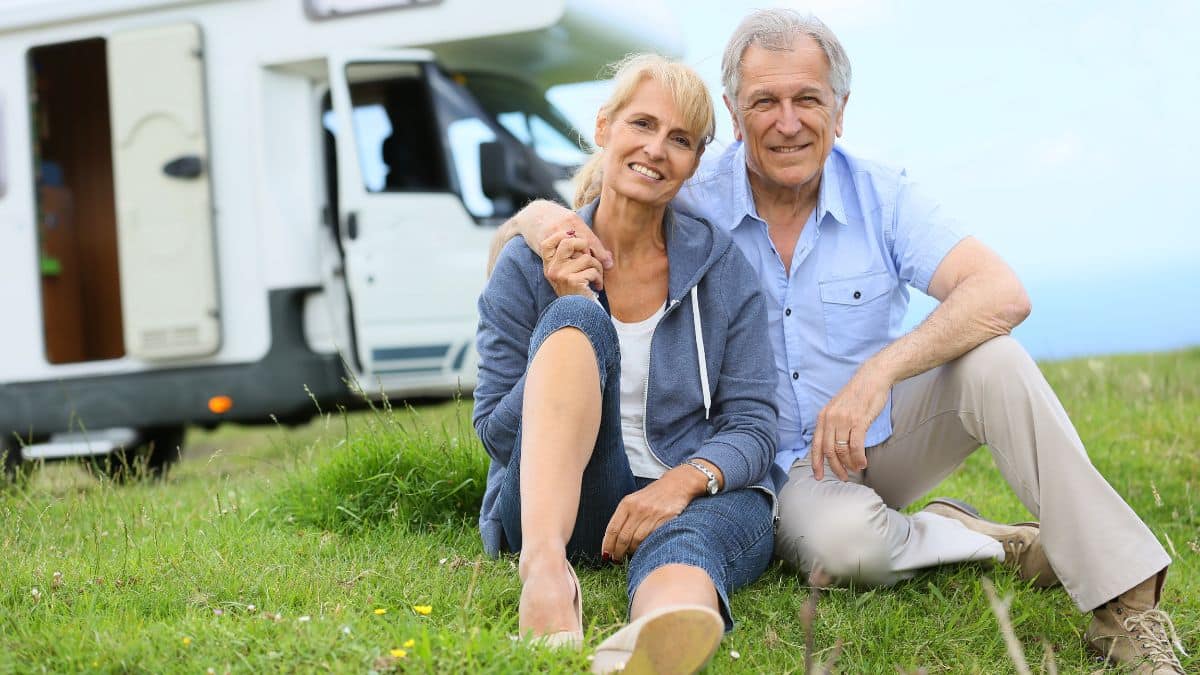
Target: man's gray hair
{"points": [[777, 30]]}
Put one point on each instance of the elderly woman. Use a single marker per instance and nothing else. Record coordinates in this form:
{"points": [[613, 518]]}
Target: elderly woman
{"points": [[638, 423]]}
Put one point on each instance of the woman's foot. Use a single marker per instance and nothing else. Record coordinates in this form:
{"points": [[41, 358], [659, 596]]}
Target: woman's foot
{"points": [[668, 641], [551, 609]]}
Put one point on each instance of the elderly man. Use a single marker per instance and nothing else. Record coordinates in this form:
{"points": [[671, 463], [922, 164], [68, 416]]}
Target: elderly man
{"points": [[871, 419]]}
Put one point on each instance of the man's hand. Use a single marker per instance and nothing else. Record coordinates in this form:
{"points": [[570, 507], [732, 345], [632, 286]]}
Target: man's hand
{"points": [[542, 219], [842, 424], [980, 298], [568, 266], [641, 512]]}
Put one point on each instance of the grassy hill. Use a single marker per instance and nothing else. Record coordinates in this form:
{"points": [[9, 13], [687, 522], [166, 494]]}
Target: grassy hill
{"points": [[349, 545]]}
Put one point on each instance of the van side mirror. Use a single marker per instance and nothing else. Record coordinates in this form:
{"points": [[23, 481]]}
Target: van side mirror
{"points": [[493, 169], [503, 173]]}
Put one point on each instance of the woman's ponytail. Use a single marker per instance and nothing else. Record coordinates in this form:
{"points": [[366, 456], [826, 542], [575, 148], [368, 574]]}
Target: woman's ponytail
{"points": [[588, 178]]}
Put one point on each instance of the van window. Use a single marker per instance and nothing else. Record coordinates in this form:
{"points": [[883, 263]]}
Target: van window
{"points": [[396, 134], [525, 113]]}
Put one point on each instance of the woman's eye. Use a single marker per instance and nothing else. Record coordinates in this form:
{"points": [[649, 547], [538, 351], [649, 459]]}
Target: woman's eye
{"points": [[641, 123], [683, 141]]}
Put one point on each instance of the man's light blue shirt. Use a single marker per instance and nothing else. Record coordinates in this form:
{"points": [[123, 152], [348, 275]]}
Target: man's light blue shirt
{"points": [[871, 235]]}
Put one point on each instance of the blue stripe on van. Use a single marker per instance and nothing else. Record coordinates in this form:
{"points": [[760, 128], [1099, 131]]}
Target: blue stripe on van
{"points": [[460, 357], [405, 353], [416, 370]]}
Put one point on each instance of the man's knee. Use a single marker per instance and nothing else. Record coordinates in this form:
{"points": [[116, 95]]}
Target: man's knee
{"points": [[847, 538], [998, 359]]}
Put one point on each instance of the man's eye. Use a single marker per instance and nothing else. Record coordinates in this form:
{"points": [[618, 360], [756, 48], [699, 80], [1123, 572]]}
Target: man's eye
{"points": [[762, 103]]}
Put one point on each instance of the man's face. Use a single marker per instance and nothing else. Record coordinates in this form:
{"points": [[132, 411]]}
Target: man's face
{"points": [[786, 114]]}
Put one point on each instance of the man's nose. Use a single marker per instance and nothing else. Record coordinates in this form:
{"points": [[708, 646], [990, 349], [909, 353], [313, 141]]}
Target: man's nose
{"points": [[788, 123]]}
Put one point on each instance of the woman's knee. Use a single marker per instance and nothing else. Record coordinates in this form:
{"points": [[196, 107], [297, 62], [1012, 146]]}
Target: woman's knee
{"points": [[586, 317]]}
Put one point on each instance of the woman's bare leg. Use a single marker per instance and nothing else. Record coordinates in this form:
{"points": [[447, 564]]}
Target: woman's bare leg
{"points": [[674, 584], [561, 417]]}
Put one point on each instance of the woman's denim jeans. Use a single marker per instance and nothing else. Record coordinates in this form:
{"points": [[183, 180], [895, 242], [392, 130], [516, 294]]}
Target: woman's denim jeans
{"points": [[728, 535]]}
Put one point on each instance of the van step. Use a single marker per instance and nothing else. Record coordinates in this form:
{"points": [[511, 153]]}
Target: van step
{"points": [[78, 444]]}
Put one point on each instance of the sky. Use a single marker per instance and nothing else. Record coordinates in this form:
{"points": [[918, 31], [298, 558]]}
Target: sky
{"points": [[1064, 134]]}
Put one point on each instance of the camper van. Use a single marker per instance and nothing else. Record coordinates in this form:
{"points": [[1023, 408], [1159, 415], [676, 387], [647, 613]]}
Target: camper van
{"points": [[234, 210]]}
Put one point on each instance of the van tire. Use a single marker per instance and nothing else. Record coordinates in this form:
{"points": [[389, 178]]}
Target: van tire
{"points": [[150, 456], [11, 466]]}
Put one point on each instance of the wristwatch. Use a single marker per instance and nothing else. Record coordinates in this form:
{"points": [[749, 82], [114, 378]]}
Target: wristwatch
{"points": [[713, 486]]}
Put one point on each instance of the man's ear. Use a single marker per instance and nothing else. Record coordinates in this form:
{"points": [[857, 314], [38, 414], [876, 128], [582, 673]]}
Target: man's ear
{"points": [[737, 127], [600, 139], [837, 126]]}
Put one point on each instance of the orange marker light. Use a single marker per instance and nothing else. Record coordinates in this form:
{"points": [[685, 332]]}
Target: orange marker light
{"points": [[219, 405]]}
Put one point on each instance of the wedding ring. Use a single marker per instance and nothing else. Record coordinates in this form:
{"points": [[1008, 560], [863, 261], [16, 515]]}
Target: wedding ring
{"points": [[841, 443]]}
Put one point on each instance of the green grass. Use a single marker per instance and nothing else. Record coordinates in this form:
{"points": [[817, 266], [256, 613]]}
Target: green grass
{"points": [[271, 550]]}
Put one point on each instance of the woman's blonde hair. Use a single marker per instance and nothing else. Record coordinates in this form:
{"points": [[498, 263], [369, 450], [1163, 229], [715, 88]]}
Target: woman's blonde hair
{"points": [[688, 92]]}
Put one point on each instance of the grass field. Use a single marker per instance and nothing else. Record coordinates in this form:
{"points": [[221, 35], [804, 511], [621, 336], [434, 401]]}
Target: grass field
{"points": [[349, 545]]}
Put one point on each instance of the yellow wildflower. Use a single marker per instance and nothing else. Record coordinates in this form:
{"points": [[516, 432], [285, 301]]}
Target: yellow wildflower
{"points": [[186, 641], [408, 644], [423, 610], [379, 611], [399, 653]]}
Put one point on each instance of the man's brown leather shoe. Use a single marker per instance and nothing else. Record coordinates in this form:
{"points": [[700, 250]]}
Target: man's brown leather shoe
{"points": [[1022, 542], [1132, 631]]}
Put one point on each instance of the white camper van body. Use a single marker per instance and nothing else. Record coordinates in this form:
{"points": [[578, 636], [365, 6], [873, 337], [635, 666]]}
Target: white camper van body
{"points": [[299, 194]]}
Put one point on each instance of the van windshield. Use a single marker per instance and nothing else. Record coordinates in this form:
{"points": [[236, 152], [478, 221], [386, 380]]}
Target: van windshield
{"points": [[525, 113]]}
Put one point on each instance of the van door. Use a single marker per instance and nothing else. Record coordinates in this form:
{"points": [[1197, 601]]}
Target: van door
{"points": [[414, 251], [164, 213]]}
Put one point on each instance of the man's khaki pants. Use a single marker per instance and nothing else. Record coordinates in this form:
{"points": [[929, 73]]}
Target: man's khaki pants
{"points": [[993, 395]]}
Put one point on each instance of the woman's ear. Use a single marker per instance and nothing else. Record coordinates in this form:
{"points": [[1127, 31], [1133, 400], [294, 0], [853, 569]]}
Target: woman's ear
{"points": [[601, 130]]}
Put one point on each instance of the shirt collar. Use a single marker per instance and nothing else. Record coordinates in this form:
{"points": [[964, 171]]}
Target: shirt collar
{"points": [[829, 197]]}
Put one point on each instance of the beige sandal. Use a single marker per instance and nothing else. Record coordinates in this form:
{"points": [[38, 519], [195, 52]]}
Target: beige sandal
{"points": [[669, 641]]}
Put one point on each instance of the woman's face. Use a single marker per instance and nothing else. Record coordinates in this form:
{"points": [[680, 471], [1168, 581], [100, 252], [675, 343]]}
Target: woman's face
{"points": [[648, 150]]}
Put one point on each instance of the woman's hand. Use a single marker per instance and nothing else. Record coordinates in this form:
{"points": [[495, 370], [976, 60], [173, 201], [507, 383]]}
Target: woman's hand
{"points": [[568, 265], [641, 512]]}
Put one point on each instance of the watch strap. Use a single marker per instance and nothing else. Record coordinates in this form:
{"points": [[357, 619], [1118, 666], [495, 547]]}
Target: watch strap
{"points": [[713, 486]]}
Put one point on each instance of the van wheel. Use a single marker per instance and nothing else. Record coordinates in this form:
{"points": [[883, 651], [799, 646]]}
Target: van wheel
{"points": [[151, 456], [12, 469]]}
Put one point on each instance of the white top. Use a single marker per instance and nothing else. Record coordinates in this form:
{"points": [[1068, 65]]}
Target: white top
{"points": [[635, 371]]}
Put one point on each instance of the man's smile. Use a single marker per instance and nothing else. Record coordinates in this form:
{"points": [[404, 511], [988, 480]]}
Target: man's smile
{"points": [[788, 149]]}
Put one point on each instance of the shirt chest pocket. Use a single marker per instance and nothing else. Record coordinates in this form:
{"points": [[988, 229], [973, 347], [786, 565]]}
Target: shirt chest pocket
{"points": [[857, 312]]}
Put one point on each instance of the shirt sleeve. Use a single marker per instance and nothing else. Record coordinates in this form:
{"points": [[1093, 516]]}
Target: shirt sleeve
{"points": [[920, 235], [506, 323]]}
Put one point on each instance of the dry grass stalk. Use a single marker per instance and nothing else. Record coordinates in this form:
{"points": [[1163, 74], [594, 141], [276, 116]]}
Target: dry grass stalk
{"points": [[808, 617], [1049, 664], [1000, 609]]}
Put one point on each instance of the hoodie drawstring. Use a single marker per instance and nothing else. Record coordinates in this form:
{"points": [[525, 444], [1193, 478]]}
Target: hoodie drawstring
{"points": [[700, 352]]}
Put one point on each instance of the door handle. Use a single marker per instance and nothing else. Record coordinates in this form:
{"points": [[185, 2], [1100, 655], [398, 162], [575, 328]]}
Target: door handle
{"points": [[184, 166], [352, 225]]}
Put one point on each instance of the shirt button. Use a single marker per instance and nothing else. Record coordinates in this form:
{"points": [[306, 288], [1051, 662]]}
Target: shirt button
{"points": [[857, 295], [787, 312], [795, 375]]}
